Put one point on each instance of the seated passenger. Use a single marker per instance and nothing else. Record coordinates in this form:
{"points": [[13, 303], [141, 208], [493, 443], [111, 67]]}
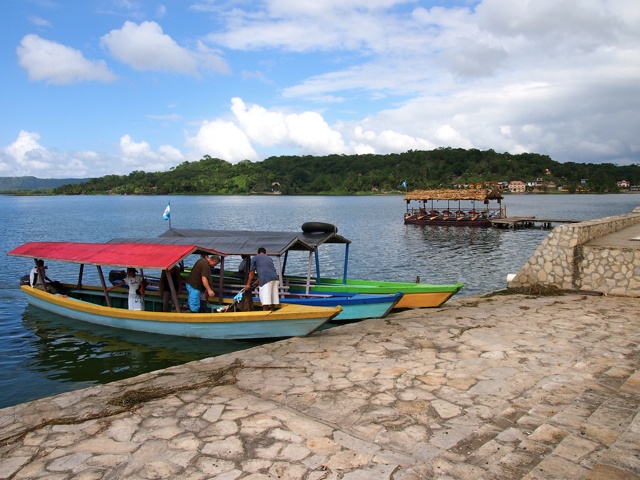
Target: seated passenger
{"points": [[36, 281]]}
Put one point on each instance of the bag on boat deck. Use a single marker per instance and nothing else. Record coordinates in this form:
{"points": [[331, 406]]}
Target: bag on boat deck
{"points": [[24, 280], [243, 305], [246, 304]]}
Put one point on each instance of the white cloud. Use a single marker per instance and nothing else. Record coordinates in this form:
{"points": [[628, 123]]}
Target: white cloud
{"points": [[26, 156], [224, 140], [387, 141], [26, 151], [39, 21], [146, 47], [169, 117], [306, 131], [58, 64], [140, 156]]}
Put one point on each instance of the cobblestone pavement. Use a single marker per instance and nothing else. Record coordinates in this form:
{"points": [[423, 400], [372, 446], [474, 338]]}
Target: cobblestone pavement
{"points": [[505, 387]]}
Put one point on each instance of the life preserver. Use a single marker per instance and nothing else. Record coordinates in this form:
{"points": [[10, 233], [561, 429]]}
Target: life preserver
{"points": [[319, 227]]}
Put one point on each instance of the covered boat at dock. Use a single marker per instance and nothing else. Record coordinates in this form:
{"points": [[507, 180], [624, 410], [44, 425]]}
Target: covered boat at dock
{"points": [[312, 236], [96, 304], [454, 207], [279, 245]]}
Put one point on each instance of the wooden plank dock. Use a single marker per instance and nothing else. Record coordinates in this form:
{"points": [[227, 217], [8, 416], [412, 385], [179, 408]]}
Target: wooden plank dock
{"points": [[529, 222]]}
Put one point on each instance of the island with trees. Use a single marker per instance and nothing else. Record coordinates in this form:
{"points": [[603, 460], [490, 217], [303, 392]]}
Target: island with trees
{"points": [[365, 174]]}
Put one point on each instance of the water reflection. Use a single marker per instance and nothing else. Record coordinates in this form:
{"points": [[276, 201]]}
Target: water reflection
{"points": [[66, 350]]}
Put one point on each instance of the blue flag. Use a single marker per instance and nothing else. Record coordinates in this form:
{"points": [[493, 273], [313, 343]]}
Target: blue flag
{"points": [[404, 184], [167, 212]]}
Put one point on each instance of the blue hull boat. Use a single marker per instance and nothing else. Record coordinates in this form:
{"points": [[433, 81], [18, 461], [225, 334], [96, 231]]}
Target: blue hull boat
{"points": [[354, 307]]}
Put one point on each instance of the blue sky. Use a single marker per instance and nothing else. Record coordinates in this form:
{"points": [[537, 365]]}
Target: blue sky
{"points": [[90, 88]]}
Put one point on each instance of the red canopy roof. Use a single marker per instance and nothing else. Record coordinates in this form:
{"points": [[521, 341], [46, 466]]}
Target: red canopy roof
{"points": [[114, 254]]}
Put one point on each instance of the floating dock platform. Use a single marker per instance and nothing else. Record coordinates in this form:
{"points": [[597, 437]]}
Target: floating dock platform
{"points": [[529, 222]]}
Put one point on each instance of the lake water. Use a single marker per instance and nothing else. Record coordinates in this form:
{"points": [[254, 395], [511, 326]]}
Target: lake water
{"points": [[42, 354]]}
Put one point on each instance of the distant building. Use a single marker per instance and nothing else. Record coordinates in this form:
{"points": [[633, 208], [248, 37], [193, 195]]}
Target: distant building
{"points": [[517, 186], [623, 183]]}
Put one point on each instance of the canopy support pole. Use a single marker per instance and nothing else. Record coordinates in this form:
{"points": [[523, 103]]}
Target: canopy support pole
{"points": [[309, 273], [104, 286], [317, 256], [346, 264], [221, 281], [172, 288], [280, 278], [284, 263], [80, 273]]}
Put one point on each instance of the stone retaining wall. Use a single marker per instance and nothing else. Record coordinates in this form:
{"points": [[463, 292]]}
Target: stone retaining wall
{"points": [[564, 261]]}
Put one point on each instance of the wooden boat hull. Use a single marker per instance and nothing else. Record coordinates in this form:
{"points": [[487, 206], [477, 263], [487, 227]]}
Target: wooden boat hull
{"points": [[451, 222], [415, 295], [287, 321], [354, 307]]}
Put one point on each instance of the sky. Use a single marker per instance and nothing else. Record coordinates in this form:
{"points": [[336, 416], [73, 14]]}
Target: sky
{"points": [[91, 88]]}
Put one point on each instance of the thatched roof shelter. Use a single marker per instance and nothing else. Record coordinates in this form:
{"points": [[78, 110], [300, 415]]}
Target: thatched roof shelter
{"points": [[457, 194]]}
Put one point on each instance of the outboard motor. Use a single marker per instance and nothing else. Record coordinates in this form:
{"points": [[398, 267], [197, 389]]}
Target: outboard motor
{"points": [[116, 276]]}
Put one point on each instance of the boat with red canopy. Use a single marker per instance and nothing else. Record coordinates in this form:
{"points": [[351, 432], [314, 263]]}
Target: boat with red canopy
{"points": [[96, 304]]}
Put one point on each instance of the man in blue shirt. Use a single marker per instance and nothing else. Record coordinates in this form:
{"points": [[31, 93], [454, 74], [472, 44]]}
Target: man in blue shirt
{"points": [[268, 279]]}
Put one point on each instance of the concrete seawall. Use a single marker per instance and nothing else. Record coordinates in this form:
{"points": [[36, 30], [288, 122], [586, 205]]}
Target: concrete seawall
{"points": [[506, 387], [592, 256]]}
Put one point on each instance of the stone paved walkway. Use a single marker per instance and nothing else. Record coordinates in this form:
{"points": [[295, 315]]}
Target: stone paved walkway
{"points": [[498, 388]]}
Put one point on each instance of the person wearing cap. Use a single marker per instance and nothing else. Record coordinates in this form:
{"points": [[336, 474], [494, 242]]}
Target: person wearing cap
{"points": [[36, 280], [136, 285], [199, 282]]}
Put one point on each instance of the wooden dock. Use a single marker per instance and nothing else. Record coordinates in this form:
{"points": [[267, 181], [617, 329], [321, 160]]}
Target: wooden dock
{"points": [[529, 222]]}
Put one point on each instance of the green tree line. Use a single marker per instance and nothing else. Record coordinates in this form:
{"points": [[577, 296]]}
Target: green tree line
{"points": [[357, 174]]}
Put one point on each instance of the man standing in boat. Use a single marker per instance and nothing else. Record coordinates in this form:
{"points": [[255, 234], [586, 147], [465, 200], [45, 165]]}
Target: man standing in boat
{"points": [[263, 265], [199, 280]]}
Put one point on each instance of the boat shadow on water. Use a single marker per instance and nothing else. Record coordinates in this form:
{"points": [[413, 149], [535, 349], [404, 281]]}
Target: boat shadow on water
{"points": [[68, 350]]}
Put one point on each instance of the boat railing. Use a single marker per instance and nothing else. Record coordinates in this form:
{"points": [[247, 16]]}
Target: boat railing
{"points": [[452, 214]]}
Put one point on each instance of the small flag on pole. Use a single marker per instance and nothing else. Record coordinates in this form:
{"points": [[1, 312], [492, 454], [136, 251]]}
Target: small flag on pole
{"points": [[404, 184], [167, 212]]}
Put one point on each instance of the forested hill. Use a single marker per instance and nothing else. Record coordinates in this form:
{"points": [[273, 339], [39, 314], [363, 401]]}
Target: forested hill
{"points": [[33, 184], [353, 174]]}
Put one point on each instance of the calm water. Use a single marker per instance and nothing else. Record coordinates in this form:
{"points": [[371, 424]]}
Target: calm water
{"points": [[42, 354]]}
